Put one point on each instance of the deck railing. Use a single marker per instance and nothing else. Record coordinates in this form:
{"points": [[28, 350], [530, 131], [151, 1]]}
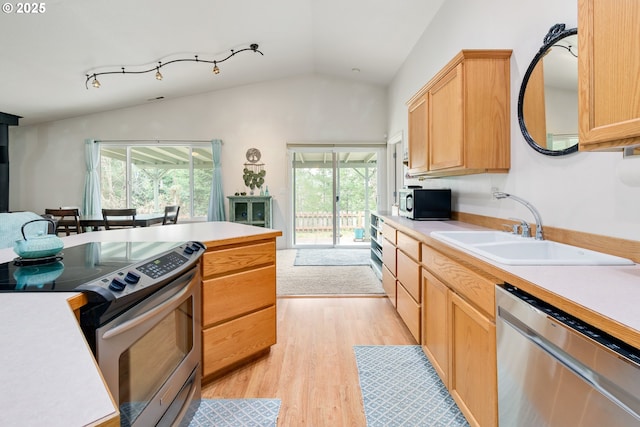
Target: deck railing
{"points": [[323, 221]]}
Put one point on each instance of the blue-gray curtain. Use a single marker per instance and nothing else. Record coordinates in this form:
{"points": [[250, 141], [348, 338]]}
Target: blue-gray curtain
{"points": [[216, 198], [91, 197]]}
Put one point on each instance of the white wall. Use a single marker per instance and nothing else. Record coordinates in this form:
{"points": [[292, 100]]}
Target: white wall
{"points": [[47, 161], [582, 191]]}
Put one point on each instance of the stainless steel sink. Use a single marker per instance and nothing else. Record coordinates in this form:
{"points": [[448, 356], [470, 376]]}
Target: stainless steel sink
{"points": [[512, 249]]}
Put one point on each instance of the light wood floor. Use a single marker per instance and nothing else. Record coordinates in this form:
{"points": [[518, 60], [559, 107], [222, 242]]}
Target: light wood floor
{"points": [[312, 368]]}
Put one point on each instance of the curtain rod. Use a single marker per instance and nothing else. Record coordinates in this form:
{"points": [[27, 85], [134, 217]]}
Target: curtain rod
{"points": [[153, 140]]}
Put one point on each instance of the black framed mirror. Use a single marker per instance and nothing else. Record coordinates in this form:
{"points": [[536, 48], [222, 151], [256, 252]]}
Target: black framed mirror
{"points": [[548, 100]]}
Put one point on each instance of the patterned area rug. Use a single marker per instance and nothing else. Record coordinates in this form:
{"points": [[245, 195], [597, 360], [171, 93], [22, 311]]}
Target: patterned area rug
{"points": [[236, 413], [401, 388], [323, 280], [332, 256]]}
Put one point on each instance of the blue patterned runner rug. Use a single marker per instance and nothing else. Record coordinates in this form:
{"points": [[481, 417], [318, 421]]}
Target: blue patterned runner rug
{"points": [[236, 413], [400, 388]]}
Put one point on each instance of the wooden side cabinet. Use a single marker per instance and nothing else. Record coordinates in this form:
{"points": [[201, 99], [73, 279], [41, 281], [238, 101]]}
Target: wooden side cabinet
{"points": [[608, 66], [238, 304], [252, 210], [459, 122]]}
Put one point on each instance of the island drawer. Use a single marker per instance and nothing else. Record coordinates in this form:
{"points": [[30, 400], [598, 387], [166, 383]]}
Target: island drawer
{"points": [[232, 295], [225, 260], [225, 345]]}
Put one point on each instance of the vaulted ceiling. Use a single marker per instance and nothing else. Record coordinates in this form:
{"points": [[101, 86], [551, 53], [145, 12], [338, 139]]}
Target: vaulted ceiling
{"points": [[46, 55]]}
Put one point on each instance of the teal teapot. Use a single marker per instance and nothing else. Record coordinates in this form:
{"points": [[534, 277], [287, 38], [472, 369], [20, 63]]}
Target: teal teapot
{"points": [[39, 246]]}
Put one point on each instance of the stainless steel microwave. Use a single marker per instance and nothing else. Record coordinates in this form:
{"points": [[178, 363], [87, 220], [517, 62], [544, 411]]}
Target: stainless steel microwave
{"points": [[425, 203]]}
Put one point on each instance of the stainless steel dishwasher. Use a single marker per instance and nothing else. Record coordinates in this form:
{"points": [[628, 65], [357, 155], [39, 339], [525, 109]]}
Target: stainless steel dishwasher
{"points": [[556, 370]]}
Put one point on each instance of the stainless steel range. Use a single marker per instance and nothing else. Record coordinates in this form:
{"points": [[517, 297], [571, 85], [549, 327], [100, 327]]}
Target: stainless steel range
{"points": [[142, 321]]}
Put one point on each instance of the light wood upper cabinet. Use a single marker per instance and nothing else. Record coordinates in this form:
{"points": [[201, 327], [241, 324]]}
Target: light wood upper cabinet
{"points": [[467, 111], [608, 70], [418, 155], [446, 137]]}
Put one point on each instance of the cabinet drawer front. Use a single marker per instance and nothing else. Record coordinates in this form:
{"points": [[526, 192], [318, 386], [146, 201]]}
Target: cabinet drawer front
{"points": [[232, 295], [231, 342], [389, 284], [389, 233], [477, 289], [408, 274], [409, 246], [237, 258], [389, 256], [409, 311]]}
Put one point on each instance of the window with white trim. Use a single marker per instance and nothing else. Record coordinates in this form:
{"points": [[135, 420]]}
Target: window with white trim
{"points": [[150, 176]]}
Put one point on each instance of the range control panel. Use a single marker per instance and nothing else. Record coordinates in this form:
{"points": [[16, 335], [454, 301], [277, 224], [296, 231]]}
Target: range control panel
{"points": [[144, 275]]}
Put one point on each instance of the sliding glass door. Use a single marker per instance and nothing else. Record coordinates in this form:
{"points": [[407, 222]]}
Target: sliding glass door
{"points": [[334, 191]]}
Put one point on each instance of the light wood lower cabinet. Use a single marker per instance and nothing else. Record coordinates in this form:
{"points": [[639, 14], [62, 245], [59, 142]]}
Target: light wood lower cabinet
{"points": [[435, 308], [401, 277], [389, 285], [473, 380], [238, 304], [459, 333]]}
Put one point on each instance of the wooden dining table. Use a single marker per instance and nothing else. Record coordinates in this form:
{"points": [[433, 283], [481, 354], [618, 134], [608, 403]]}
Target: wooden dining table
{"points": [[142, 220]]}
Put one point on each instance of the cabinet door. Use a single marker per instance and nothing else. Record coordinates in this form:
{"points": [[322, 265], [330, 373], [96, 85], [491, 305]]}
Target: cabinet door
{"points": [[608, 67], [435, 342], [446, 136], [472, 364], [240, 211], [258, 212], [418, 154]]}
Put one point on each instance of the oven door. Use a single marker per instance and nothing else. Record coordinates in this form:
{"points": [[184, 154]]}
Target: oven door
{"points": [[150, 355]]}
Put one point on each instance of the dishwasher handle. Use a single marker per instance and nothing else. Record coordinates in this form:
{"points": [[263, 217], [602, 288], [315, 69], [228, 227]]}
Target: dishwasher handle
{"points": [[616, 394]]}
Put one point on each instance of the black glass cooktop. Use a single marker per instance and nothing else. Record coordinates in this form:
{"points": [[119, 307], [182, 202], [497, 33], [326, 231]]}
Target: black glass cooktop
{"points": [[78, 265]]}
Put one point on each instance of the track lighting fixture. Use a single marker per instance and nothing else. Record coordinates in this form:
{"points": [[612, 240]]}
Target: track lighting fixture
{"points": [[216, 70], [158, 73]]}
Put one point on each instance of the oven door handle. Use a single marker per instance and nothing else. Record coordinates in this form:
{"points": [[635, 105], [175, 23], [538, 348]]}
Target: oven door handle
{"points": [[169, 304]]}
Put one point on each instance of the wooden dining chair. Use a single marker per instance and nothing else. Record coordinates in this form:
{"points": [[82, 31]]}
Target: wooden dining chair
{"points": [[171, 214], [68, 220], [119, 218]]}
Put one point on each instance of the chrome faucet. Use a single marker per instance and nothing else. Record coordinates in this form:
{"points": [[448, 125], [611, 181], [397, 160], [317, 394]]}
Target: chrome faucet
{"points": [[534, 211]]}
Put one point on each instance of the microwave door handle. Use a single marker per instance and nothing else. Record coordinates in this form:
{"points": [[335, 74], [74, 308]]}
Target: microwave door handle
{"points": [[172, 302], [409, 202]]}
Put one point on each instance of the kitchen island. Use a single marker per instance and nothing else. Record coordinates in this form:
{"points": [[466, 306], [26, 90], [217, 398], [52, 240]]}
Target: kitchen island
{"points": [[48, 372]]}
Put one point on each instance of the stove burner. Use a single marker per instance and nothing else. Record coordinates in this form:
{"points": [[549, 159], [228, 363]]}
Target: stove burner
{"points": [[20, 261]]}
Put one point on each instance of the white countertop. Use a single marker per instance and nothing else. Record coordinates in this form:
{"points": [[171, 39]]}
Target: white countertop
{"points": [[48, 375], [610, 291]]}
